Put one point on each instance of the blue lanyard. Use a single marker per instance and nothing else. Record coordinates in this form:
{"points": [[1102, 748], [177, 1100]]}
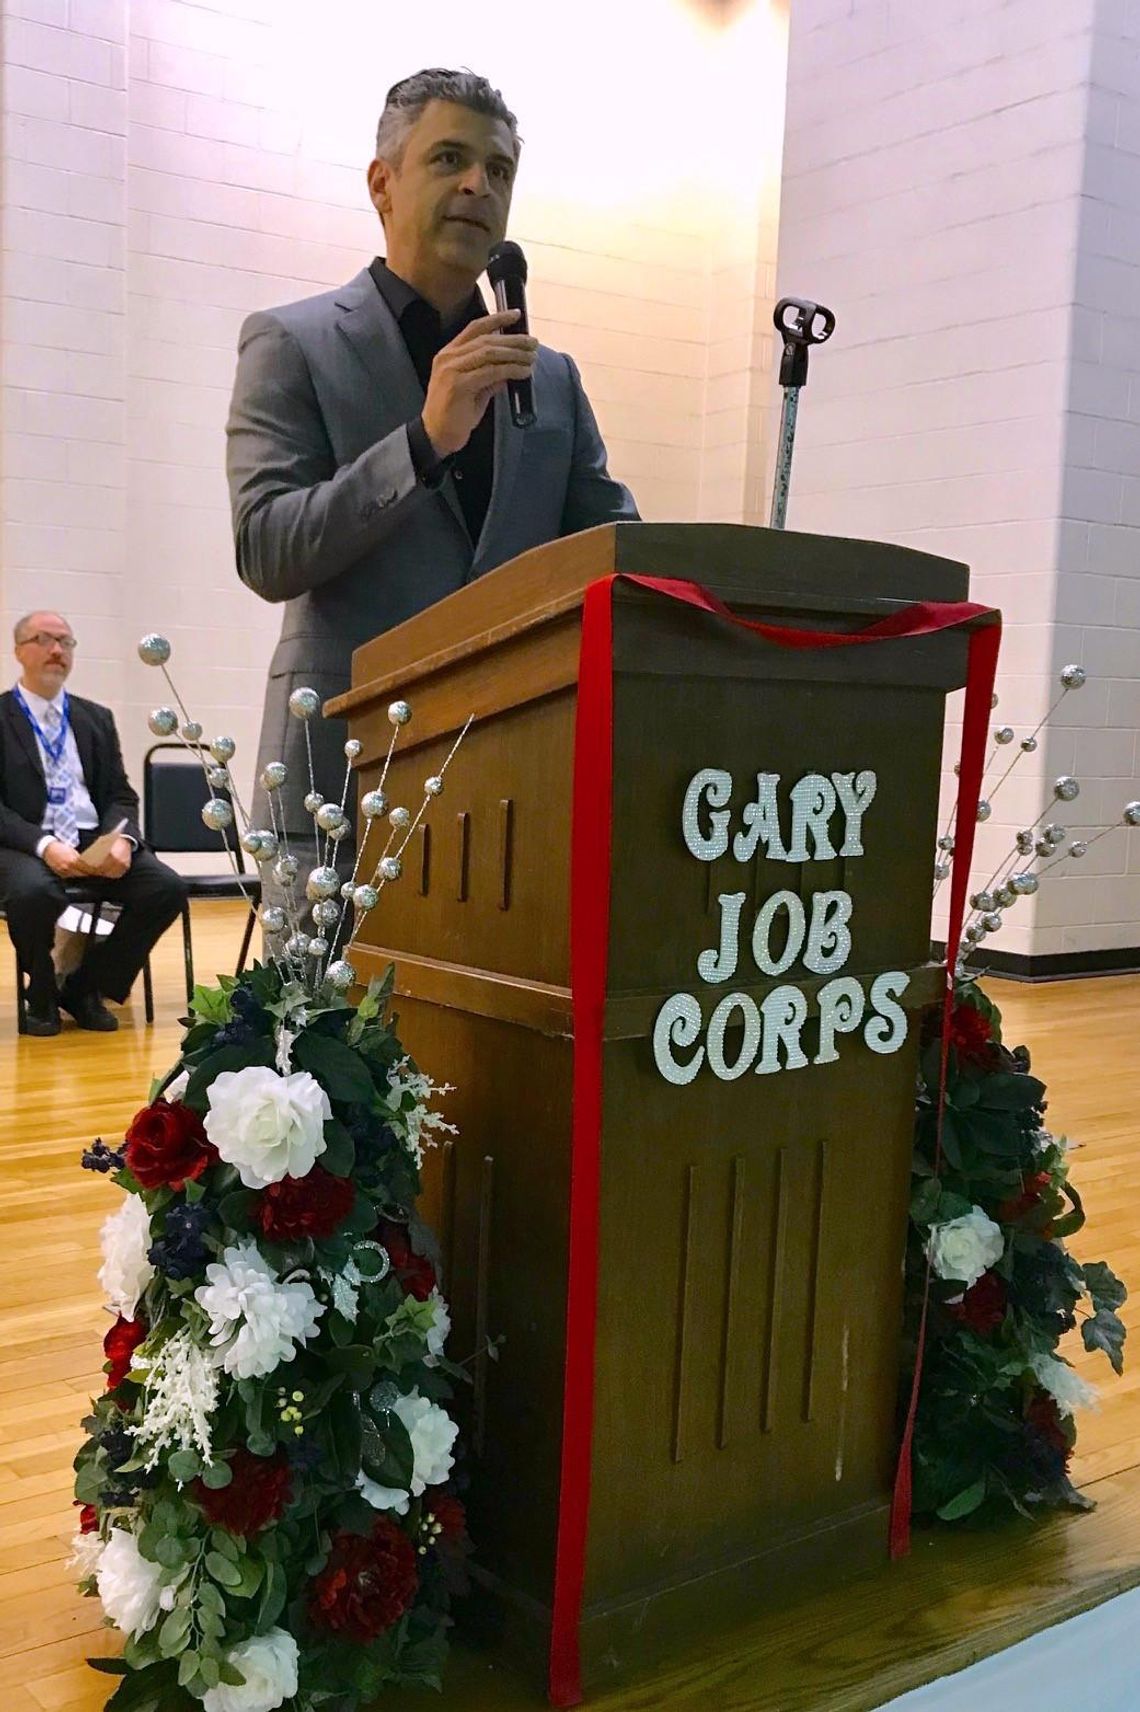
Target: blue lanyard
{"points": [[53, 746]]}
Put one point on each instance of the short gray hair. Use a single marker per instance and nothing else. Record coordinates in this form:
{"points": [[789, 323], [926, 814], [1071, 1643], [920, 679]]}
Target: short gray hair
{"points": [[22, 624], [407, 99]]}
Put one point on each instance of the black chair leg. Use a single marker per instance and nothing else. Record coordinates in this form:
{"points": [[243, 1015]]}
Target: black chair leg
{"points": [[188, 952], [246, 937], [148, 992], [21, 1000]]}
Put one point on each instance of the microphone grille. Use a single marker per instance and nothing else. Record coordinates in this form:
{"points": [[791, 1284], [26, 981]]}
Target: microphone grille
{"points": [[506, 261]]}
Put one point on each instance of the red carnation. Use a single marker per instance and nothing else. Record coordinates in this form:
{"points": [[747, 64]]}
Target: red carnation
{"points": [[258, 1493], [296, 1207], [119, 1346], [367, 1584], [415, 1271], [982, 1308], [971, 1035], [88, 1518], [1032, 1189], [166, 1146], [1044, 1417], [450, 1515]]}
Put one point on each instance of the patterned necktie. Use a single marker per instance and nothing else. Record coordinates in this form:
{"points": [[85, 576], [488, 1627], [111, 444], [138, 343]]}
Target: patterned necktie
{"points": [[59, 778]]}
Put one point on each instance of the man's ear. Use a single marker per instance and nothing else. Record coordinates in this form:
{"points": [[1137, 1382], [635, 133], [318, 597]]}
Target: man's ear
{"points": [[380, 174]]}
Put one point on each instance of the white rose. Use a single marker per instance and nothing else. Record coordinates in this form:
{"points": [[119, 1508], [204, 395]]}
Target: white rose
{"points": [[432, 1432], [130, 1586], [440, 1327], [965, 1247], [1069, 1391], [175, 1090], [269, 1665], [126, 1271], [269, 1126], [256, 1319], [382, 1497]]}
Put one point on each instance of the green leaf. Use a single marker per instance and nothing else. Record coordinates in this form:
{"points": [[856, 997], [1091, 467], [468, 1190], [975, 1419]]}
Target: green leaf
{"points": [[273, 1596], [229, 1674], [109, 1666], [175, 1632], [185, 1465], [89, 1483], [217, 1475], [261, 1443], [340, 1071], [170, 1552], [339, 1155], [210, 1670], [224, 1543], [194, 1192], [965, 1503], [260, 1050], [223, 1570], [1106, 1331], [210, 1600], [924, 1201], [1010, 1091], [251, 1570], [235, 1208], [1103, 1285], [211, 1004]]}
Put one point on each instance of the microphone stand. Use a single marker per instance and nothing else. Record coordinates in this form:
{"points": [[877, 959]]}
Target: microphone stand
{"points": [[801, 325]]}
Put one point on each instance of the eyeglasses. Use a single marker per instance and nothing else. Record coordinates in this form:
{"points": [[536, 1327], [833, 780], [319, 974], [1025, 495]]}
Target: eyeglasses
{"points": [[44, 639]]}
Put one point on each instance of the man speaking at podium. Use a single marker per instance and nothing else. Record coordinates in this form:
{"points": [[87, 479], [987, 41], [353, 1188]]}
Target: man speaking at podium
{"points": [[373, 462]]}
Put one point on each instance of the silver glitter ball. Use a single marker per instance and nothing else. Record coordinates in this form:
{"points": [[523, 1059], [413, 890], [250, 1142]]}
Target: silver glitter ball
{"points": [[399, 713], [304, 704], [222, 748], [1056, 834], [163, 721], [941, 869], [347, 890], [267, 849], [1066, 788], [154, 650], [340, 830], [1078, 848], [192, 731], [433, 787], [274, 776], [1132, 814], [1003, 734], [992, 922], [400, 818], [1044, 848], [1025, 884], [373, 803], [1025, 842], [352, 749], [272, 918], [251, 841], [970, 934], [217, 814], [946, 842], [217, 778], [340, 975], [1074, 677], [1004, 896], [317, 947], [285, 869], [366, 897], [313, 801], [326, 912], [1028, 745], [390, 868], [993, 700], [322, 883], [982, 901], [329, 814], [984, 809], [297, 945]]}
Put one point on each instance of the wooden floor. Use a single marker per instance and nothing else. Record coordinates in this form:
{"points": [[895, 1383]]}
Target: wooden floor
{"points": [[955, 1599]]}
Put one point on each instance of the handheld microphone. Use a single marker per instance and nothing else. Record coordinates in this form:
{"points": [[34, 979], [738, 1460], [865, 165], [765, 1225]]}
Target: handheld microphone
{"points": [[506, 269]]}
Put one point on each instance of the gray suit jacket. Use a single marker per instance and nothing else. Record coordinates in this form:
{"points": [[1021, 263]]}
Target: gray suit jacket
{"points": [[330, 520]]}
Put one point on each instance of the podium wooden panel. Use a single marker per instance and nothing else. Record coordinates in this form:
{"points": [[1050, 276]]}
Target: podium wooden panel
{"points": [[750, 1232]]}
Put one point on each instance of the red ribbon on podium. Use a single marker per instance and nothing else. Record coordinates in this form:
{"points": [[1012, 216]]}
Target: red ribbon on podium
{"points": [[589, 943]]}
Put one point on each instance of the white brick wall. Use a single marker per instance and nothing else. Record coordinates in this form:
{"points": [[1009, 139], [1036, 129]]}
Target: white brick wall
{"points": [[962, 186], [169, 165]]}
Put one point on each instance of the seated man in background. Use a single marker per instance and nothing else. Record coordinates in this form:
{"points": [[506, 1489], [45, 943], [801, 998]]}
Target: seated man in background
{"points": [[63, 785]]}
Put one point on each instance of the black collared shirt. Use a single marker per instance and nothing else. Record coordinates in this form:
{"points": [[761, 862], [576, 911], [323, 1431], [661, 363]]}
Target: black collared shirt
{"points": [[421, 328]]}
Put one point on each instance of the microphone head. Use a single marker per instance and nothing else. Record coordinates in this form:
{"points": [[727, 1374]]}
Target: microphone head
{"points": [[506, 261]]}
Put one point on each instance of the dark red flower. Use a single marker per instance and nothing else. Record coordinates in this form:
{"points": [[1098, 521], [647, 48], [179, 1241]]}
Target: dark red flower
{"points": [[415, 1271], [450, 1515], [88, 1518], [368, 1583], [167, 1146], [971, 1035], [982, 1308], [119, 1346], [1032, 1189], [296, 1207], [1043, 1421], [258, 1493]]}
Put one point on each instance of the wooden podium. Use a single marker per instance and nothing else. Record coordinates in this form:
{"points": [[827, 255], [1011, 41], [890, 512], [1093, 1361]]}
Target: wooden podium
{"points": [[723, 1254]]}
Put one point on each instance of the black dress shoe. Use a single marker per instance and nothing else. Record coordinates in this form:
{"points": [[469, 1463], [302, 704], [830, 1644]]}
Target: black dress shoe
{"points": [[41, 1019], [87, 1008]]}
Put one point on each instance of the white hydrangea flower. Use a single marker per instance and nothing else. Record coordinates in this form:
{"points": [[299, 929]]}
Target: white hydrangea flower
{"points": [[130, 1586], [965, 1247], [433, 1433], [180, 1395], [175, 1090], [439, 1329], [418, 1120], [269, 1665], [256, 1319], [1069, 1391], [269, 1126], [126, 1271]]}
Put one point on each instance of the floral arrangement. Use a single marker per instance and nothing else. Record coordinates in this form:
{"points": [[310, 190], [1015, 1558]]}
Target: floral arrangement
{"points": [[267, 1487], [991, 1208]]}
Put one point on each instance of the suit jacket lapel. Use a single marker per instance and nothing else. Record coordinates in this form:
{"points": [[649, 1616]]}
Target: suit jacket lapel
{"points": [[508, 452], [25, 735], [84, 729], [370, 330]]}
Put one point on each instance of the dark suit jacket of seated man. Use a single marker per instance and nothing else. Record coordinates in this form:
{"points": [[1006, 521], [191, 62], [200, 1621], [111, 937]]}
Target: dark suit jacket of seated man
{"points": [[373, 464], [62, 784]]}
